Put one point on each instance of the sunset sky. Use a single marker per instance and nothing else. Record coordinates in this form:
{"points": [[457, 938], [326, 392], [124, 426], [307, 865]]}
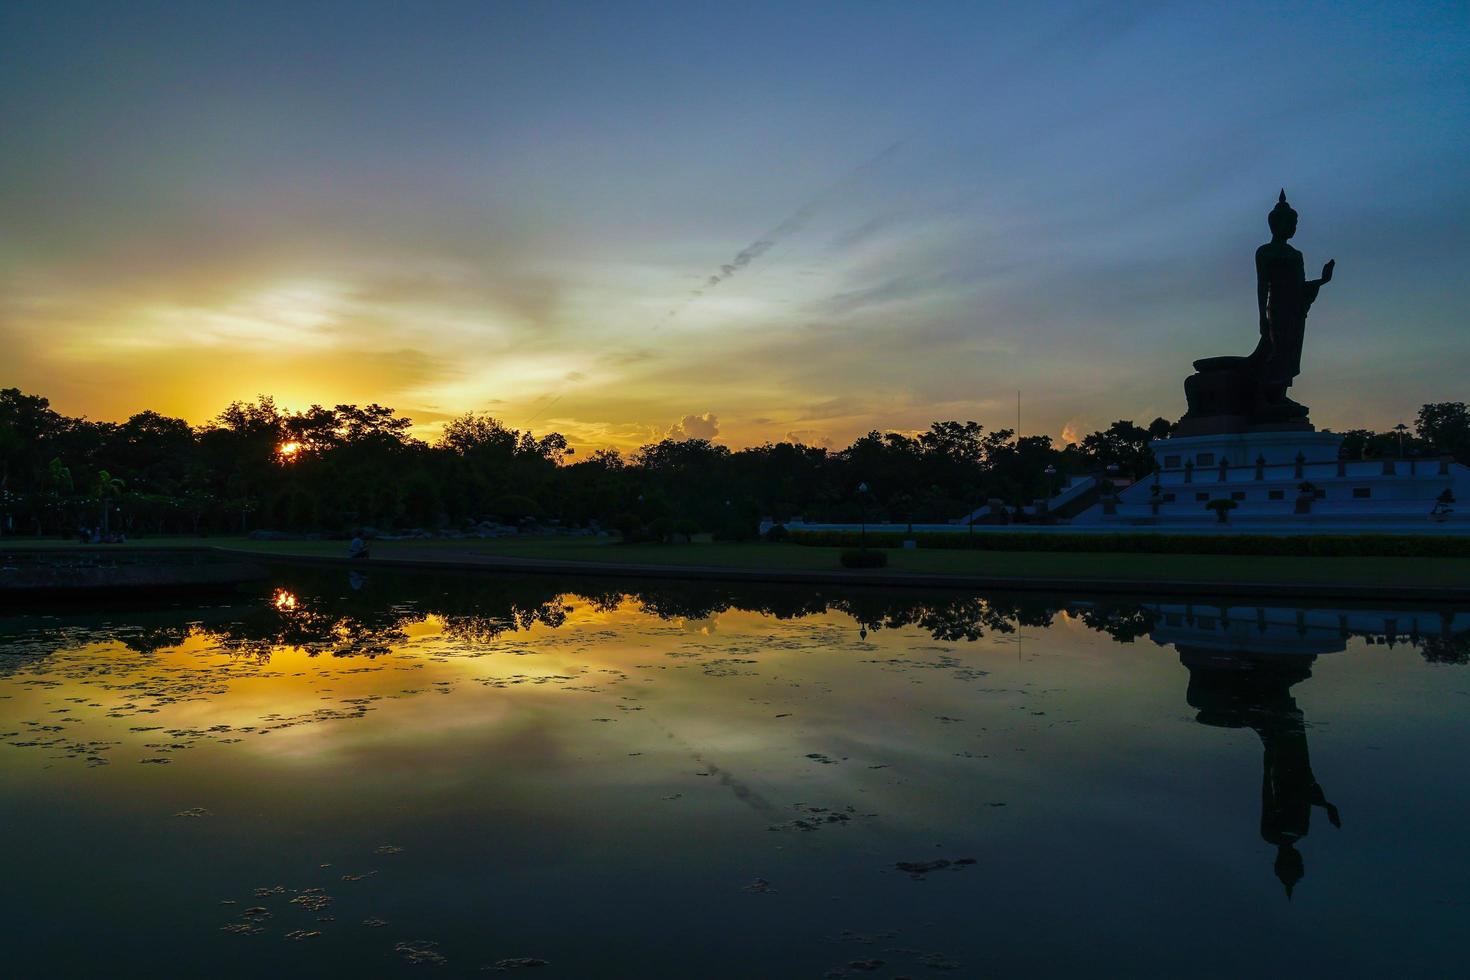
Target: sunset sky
{"points": [[747, 222]]}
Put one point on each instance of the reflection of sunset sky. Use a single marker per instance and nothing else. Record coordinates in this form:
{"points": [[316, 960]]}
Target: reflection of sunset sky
{"points": [[201, 202], [624, 699], [666, 763], [682, 693]]}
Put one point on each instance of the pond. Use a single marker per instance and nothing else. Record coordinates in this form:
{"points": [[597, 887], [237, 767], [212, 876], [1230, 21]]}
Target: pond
{"points": [[421, 774]]}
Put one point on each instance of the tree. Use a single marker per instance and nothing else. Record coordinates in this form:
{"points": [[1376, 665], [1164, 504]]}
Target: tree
{"points": [[154, 452], [1123, 445], [1160, 428], [1446, 427], [107, 490], [372, 423], [478, 433], [240, 447], [28, 434], [58, 479]]}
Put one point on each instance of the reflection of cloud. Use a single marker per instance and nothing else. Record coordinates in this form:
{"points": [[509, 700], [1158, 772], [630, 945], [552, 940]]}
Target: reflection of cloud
{"points": [[701, 626], [705, 426]]}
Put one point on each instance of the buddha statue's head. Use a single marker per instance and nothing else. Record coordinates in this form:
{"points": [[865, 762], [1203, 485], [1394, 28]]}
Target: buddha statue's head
{"points": [[1282, 219]]}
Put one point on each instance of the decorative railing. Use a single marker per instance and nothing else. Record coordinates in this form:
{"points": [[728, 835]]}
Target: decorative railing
{"points": [[1303, 470]]}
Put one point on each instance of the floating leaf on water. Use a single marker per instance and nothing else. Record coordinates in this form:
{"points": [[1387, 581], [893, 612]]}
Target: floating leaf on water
{"points": [[242, 928], [312, 899], [420, 952]]}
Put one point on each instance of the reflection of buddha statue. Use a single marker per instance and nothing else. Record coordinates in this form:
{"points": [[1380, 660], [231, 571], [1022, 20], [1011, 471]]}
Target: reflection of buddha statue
{"points": [[1242, 691], [1283, 295]]}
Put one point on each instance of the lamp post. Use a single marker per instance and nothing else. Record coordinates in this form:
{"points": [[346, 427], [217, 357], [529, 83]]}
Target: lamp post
{"points": [[1401, 428], [862, 517], [1050, 471]]}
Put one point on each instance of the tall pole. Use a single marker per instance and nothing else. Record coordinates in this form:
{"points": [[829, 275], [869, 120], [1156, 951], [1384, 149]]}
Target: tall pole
{"points": [[1019, 504]]}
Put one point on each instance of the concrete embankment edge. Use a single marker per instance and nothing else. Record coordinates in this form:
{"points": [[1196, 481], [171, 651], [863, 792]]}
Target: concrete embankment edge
{"points": [[1154, 588]]}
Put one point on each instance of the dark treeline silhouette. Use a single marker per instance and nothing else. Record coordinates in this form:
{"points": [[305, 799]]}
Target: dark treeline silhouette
{"points": [[329, 469]]}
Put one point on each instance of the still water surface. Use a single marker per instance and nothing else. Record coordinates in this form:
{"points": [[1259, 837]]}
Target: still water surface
{"points": [[430, 775]]}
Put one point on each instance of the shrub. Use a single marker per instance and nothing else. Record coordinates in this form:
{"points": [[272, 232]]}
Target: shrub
{"points": [[737, 528], [512, 508], [863, 558], [629, 526], [661, 529], [1222, 507], [1318, 545], [778, 532], [686, 527]]}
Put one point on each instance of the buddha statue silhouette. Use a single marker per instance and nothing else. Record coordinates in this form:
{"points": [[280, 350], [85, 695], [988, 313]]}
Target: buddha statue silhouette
{"points": [[1283, 295], [1236, 394]]}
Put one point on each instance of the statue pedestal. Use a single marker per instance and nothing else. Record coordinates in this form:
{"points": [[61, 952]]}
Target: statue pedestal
{"points": [[1225, 395]]}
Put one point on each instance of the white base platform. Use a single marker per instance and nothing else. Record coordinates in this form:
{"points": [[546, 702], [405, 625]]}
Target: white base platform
{"points": [[1263, 473]]}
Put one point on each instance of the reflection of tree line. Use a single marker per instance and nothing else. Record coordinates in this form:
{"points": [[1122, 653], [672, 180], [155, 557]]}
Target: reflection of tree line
{"points": [[368, 616]]}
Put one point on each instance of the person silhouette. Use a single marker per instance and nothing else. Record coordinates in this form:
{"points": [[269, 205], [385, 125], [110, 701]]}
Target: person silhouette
{"points": [[1283, 296]]}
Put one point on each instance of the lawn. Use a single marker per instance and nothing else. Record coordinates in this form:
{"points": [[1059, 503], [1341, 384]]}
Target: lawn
{"points": [[1255, 570]]}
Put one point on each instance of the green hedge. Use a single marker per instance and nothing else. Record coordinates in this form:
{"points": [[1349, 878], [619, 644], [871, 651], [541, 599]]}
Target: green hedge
{"points": [[1322, 545]]}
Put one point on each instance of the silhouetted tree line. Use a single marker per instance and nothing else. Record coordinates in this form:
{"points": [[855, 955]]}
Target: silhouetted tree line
{"points": [[330, 469]]}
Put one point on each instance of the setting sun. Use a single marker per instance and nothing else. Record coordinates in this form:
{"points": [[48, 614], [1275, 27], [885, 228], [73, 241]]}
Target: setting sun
{"points": [[288, 450]]}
